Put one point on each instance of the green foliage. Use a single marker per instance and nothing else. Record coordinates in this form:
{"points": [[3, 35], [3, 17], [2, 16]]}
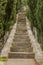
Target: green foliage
{"points": [[35, 15], [3, 59], [7, 17], [24, 2], [18, 5], [10, 15], [39, 17], [2, 14], [32, 10]]}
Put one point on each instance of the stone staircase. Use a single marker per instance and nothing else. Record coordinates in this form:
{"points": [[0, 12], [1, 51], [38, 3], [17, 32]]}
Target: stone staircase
{"points": [[21, 46]]}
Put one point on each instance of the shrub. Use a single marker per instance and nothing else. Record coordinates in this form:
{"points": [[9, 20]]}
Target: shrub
{"points": [[36, 17]]}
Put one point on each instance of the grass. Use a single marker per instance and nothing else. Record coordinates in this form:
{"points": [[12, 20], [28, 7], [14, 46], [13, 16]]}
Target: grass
{"points": [[3, 59]]}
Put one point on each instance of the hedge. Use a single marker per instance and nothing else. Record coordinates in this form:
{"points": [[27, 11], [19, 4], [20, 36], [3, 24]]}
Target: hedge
{"points": [[7, 18], [35, 15]]}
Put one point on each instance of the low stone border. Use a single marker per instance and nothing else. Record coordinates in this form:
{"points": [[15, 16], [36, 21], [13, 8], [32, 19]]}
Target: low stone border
{"points": [[8, 44], [36, 46]]}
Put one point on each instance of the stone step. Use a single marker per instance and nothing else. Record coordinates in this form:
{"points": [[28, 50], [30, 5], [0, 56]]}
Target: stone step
{"points": [[18, 43], [22, 20], [21, 42], [24, 40], [21, 23], [21, 33], [21, 36], [21, 29], [21, 55], [21, 16], [21, 26], [21, 48]]}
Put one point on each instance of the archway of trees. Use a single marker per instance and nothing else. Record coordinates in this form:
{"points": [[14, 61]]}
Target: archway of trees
{"points": [[9, 10]]}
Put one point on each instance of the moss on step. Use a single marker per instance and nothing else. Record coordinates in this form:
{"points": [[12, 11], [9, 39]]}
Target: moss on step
{"points": [[3, 59]]}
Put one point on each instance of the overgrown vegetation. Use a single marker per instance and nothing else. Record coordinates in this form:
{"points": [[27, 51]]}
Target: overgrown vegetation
{"points": [[7, 18], [8, 11], [18, 5], [35, 15], [2, 14]]}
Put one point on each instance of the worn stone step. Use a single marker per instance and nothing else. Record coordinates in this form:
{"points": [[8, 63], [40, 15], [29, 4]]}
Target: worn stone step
{"points": [[18, 42], [21, 28], [22, 20], [21, 40], [21, 16], [21, 33], [21, 37], [21, 55], [24, 40], [21, 23], [21, 44], [21, 48]]}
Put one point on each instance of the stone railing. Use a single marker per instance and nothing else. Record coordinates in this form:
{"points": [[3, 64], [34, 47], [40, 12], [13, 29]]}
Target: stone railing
{"points": [[36, 46], [8, 44]]}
